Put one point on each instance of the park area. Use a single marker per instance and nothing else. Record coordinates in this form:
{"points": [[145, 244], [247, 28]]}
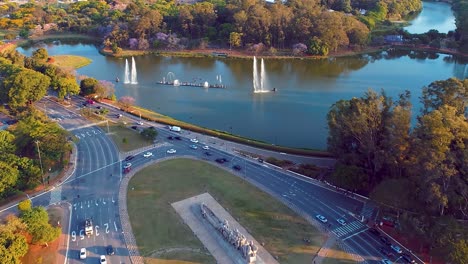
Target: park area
{"points": [[162, 237]]}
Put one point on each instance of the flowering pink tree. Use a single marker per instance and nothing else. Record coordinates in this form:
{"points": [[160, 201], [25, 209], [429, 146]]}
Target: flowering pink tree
{"points": [[126, 101], [299, 48]]}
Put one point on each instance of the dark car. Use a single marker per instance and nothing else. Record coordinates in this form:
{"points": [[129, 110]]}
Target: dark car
{"points": [[99, 107], [385, 240], [134, 127], [220, 161], [224, 160], [110, 250], [177, 137], [129, 158], [237, 167], [207, 153], [260, 160], [170, 137], [386, 252], [374, 231], [407, 258]]}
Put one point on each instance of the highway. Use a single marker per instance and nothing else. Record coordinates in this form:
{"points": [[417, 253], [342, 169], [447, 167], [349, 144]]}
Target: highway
{"points": [[92, 189]]}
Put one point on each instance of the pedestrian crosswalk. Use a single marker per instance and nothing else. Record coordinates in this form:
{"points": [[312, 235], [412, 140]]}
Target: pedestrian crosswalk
{"points": [[93, 203], [56, 195], [348, 229], [87, 133]]}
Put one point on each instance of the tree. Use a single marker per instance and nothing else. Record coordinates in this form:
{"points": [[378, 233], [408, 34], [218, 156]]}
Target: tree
{"points": [[8, 176], [67, 86], [7, 145], [26, 87], [317, 47], [40, 54], [13, 245], [37, 224], [459, 254], [235, 39], [126, 101], [25, 205], [149, 133], [88, 85], [451, 92], [104, 89]]}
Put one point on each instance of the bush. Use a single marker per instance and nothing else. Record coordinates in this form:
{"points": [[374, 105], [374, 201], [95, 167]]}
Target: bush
{"points": [[278, 162], [309, 170]]}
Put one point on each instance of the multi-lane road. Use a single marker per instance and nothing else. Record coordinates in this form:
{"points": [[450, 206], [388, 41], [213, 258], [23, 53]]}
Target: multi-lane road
{"points": [[92, 190]]}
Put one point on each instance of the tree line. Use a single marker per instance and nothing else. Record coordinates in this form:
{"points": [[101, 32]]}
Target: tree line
{"points": [[418, 169], [319, 26]]}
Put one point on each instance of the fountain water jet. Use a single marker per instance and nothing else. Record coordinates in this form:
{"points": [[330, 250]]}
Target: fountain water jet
{"points": [[259, 79], [133, 76], [127, 73]]}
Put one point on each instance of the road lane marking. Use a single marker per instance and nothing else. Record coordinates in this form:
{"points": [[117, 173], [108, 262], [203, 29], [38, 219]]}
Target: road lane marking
{"points": [[355, 234], [115, 225], [107, 228]]}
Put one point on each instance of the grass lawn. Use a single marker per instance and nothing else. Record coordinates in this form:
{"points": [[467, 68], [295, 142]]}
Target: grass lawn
{"points": [[71, 61], [126, 139], [338, 256], [157, 226]]}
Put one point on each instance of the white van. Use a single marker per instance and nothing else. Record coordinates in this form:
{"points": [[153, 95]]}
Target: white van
{"points": [[175, 128]]}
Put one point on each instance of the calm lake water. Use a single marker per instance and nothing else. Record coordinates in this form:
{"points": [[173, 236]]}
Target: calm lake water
{"points": [[434, 15], [293, 116]]}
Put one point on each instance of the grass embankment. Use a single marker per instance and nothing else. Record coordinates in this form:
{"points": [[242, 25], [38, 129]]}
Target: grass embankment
{"points": [[71, 61], [338, 256], [157, 226], [125, 138], [159, 118]]}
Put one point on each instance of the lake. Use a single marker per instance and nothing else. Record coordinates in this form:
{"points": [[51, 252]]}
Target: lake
{"points": [[434, 15]]}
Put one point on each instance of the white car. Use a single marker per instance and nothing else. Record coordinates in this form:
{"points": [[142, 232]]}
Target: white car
{"points": [[148, 154], [341, 222], [321, 218], [206, 147], [128, 165], [194, 140], [397, 249], [140, 123], [83, 253], [171, 151], [102, 259]]}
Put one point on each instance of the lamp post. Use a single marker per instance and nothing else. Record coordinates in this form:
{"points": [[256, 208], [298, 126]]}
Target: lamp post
{"points": [[40, 160]]}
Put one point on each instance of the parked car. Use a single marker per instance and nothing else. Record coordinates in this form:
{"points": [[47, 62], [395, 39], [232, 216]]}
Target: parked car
{"points": [[83, 253], [171, 151], [237, 167], [397, 249], [148, 154], [321, 218], [407, 258], [110, 250], [341, 222], [102, 259]]}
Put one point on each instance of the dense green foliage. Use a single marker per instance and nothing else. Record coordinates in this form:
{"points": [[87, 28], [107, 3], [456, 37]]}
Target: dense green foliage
{"points": [[37, 224], [13, 243], [421, 168], [460, 8]]}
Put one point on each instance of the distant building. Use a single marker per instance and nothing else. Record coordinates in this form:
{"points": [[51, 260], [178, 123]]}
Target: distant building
{"points": [[393, 39]]}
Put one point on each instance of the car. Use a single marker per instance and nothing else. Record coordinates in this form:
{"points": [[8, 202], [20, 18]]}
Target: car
{"points": [[321, 218], [407, 258], [260, 160], [140, 123], [99, 107], [397, 249], [171, 151], [237, 167], [148, 154], [127, 165], [83, 253], [385, 240], [110, 250], [194, 140], [374, 231], [205, 147], [224, 160], [385, 261], [89, 101], [102, 259], [134, 127], [220, 161], [193, 146], [130, 157], [170, 137], [341, 222], [386, 252], [207, 153], [177, 138]]}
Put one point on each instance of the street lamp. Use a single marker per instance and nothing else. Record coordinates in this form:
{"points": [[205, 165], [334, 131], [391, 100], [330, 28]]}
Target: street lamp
{"points": [[40, 160]]}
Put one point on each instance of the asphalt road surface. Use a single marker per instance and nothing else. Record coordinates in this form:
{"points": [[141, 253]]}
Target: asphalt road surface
{"points": [[92, 189]]}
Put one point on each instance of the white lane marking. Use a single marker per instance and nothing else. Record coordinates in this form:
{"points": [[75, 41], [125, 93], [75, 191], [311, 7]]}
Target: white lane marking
{"points": [[96, 202], [107, 228], [104, 202], [97, 228], [113, 199], [73, 236], [354, 234], [81, 234], [88, 204], [81, 205], [115, 225]]}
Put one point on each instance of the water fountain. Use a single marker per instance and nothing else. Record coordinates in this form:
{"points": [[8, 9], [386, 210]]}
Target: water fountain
{"points": [[206, 85], [259, 79], [133, 76], [127, 73]]}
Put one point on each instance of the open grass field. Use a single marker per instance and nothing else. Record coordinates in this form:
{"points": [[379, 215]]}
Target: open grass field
{"points": [[125, 138], [71, 61], [158, 227]]}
